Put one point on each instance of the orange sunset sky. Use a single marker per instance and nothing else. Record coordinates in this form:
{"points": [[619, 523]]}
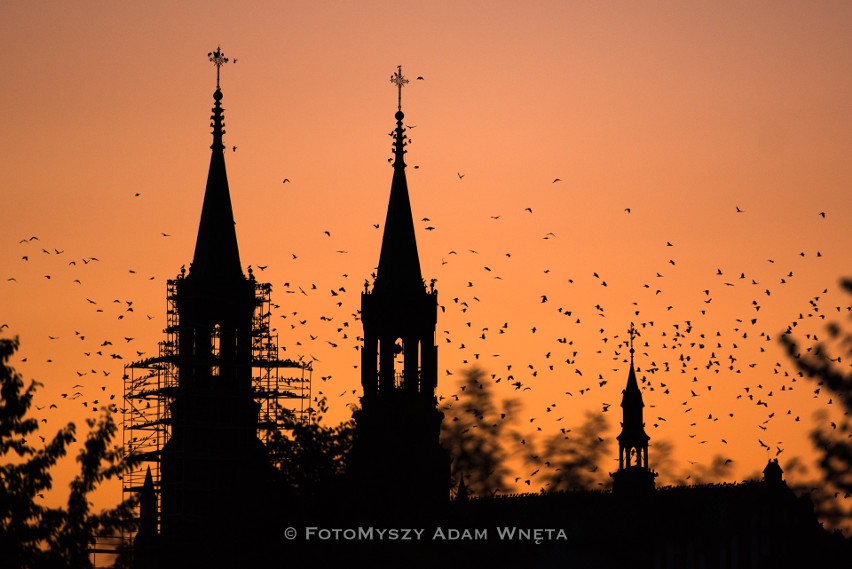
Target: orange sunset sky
{"points": [[659, 119]]}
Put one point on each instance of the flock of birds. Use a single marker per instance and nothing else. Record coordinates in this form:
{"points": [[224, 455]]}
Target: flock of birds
{"points": [[716, 375]]}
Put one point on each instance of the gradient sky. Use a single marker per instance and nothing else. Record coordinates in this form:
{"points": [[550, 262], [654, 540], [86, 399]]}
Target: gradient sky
{"points": [[681, 112]]}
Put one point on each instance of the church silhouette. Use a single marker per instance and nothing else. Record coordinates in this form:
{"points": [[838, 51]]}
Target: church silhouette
{"points": [[210, 494]]}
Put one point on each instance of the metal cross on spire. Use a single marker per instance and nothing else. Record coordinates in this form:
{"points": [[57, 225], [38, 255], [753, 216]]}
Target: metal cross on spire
{"points": [[400, 82], [632, 332], [218, 59]]}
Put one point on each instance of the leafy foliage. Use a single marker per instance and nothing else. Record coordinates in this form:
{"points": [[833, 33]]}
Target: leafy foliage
{"points": [[473, 430], [313, 457], [32, 535], [822, 362], [574, 459]]}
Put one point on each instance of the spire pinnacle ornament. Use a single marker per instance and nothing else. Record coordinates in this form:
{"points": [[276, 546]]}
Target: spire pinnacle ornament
{"points": [[632, 332], [218, 59], [400, 140], [400, 81]]}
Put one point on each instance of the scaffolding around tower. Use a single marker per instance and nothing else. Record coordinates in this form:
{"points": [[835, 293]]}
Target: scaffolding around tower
{"points": [[281, 387]]}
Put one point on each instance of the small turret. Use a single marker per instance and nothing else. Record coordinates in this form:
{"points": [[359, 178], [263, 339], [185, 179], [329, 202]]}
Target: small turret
{"points": [[772, 473], [634, 474]]}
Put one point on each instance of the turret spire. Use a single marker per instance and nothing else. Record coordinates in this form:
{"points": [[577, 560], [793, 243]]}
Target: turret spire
{"points": [[632, 393]]}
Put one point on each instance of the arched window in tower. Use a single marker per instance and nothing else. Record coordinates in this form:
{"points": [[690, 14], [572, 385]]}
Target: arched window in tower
{"points": [[215, 340], [398, 363], [419, 377]]}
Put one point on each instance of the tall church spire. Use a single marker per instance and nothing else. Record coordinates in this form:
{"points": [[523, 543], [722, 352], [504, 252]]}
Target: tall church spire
{"points": [[397, 454], [217, 256], [212, 464], [399, 263]]}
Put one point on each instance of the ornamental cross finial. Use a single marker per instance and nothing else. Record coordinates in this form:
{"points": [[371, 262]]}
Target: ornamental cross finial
{"points": [[632, 332], [400, 81], [218, 59]]}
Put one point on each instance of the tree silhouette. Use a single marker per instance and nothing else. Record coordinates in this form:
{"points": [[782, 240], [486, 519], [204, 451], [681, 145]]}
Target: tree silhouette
{"points": [[474, 429], [574, 456], [32, 535], [313, 457], [670, 472], [822, 362]]}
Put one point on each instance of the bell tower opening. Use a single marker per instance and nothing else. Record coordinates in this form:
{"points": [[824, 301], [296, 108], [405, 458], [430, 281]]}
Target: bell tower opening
{"points": [[398, 363], [216, 350]]}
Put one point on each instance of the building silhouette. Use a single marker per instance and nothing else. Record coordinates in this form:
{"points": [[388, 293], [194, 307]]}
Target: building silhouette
{"points": [[213, 409], [215, 390], [215, 497], [397, 456]]}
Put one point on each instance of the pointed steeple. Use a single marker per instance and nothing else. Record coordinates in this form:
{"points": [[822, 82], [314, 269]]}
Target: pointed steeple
{"points": [[632, 395], [399, 263], [147, 510], [217, 256], [633, 426], [461, 493]]}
